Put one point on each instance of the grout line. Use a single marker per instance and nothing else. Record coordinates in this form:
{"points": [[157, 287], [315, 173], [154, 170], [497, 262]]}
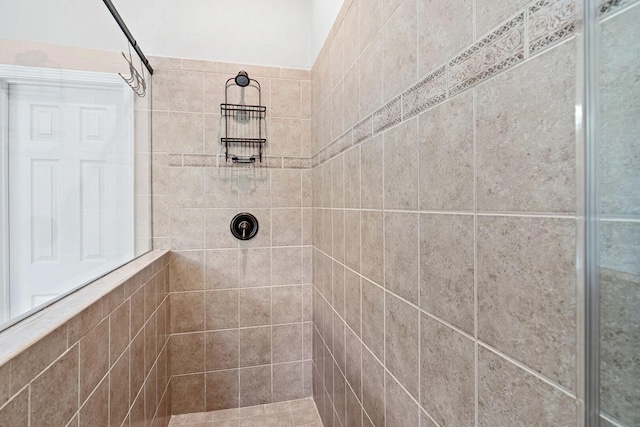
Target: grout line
{"points": [[475, 262]]}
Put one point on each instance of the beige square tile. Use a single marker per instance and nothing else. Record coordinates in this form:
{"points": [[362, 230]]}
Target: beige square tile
{"points": [[287, 343], [287, 266], [401, 410], [255, 267], [352, 178], [255, 386], [175, 132], [352, 239], [401, 254], [178, 91], [186, 271], [444, 29], [255, 346], [372, 173], [446, 155], [286, 188], [446, 268], [187, 394], [285, 98], [60, 380], [220, 188], [94, 358], [508, 395], [217, 232], [286, 304], [214, 129], [119, 389], [400, 167], [222, 350], [187, 312], [16, 412], [221, 309], [186, 228], [353, 356], [221, 269], [337, 111], [447, 374], [286, 137], [338, 235], [402, 342], [186, 187], [373, 388], [95, 411], [187, 353], [371, 227], [254, 187], [372, 318], [370, 21], [136, 365], [490, 13], [254, 307], [222, 391], [33, 360], [371, 80], [286, 227], [119, 328], [399, 49], [527, 292], [287, 382], [525, 136]]}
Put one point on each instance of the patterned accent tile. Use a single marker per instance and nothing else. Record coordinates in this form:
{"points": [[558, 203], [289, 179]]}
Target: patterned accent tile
{"points": [[387, 116], [200, 160], [607, 7], [272, 162], [496, 52], [296, 162], [333, 149], [343, 142], [549, 22], [425, 94], [362, 130], [175, 159]]}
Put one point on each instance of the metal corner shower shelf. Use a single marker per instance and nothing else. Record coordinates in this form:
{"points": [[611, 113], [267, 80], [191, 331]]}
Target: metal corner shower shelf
{"points": [[243, 138]]}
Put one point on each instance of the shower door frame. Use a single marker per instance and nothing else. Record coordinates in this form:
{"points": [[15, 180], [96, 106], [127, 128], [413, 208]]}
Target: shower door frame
{"points": [[15, 74]]}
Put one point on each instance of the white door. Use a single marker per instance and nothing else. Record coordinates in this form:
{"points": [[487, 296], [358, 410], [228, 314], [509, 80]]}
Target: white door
{"points": [[70, 187]]}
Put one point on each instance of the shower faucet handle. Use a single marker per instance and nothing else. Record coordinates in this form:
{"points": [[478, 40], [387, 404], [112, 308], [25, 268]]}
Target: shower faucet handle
{"points": [[244, 226]]}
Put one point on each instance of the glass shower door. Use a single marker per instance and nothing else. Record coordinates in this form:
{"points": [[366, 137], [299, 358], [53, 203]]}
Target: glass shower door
{"points": [[613, 212]]}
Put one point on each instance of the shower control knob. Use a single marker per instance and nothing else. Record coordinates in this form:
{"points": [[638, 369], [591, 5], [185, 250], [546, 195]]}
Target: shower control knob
{"points": [[244, 226]]}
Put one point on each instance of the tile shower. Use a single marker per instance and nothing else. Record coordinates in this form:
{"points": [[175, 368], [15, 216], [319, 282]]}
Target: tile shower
{"points": [[416, 258]]}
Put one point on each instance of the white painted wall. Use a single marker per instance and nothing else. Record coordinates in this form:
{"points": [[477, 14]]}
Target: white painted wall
{"points": [[322, 16], [283, 33]]}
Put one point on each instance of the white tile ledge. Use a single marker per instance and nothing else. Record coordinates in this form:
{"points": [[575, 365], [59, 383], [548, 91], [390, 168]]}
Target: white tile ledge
{"points": [[29, 331]]}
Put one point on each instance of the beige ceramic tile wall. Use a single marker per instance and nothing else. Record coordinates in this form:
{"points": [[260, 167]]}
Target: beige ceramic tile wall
{"points": [[107, 366], [240, 311], [444, 238]]}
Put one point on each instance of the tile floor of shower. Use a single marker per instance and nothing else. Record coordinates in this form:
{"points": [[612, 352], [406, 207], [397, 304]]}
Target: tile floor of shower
{"points": [[294, 413]]}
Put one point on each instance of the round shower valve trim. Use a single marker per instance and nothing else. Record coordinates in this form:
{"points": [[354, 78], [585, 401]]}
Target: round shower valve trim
{"points": [[244, 226]]}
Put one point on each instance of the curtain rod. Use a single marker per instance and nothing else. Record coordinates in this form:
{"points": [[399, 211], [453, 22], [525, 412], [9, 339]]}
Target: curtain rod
{"points": [[127, 33]]}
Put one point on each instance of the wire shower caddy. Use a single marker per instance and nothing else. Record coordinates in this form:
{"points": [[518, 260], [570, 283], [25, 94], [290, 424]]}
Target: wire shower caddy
{"points": [[245, 132]]}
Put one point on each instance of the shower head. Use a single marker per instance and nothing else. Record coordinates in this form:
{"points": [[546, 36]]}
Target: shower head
{"points": [[242, 79]]}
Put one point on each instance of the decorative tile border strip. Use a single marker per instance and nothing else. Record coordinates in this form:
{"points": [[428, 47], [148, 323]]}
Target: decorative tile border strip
{"points": [[496, 52], [430, 91], [218, 161], [388, 116], [549, 22], [607, 7]]}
